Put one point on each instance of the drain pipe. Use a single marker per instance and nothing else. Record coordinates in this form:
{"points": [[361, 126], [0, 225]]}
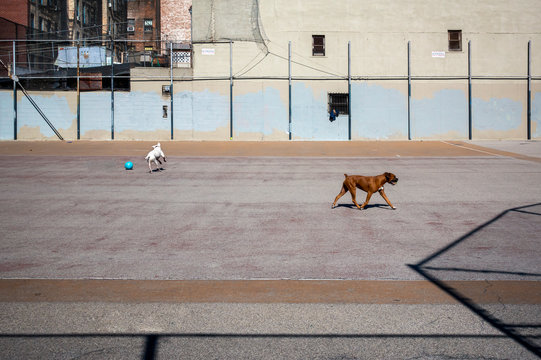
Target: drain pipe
{"points": [[470, 122]]}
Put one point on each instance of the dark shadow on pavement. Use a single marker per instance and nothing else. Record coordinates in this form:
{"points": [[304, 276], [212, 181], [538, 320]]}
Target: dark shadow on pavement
{"points": [[483, 254]]}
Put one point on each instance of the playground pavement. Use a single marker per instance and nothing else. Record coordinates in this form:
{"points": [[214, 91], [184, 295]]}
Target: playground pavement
{"points": [[233, 251]]}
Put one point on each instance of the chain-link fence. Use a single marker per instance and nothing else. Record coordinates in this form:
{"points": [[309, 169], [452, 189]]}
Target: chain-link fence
{"points": [[52, 64]]}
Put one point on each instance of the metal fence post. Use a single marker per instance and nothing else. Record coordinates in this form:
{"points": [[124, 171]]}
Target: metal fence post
{"points": [[470, 122], [349, 90], [14, 77], [529, 115], [289, 79], [409, 91], [231, 90], [171, 84], [112, 89], [78, 95]]}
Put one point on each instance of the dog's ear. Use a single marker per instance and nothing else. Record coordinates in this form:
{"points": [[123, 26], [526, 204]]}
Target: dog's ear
{"points": [[158, 145], [387, 176]]}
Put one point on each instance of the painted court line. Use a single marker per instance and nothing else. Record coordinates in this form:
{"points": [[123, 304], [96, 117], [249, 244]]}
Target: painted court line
{"points": [[266, 291]]}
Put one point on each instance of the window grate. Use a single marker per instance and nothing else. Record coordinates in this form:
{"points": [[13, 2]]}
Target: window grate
{"points": [[339, 102]]}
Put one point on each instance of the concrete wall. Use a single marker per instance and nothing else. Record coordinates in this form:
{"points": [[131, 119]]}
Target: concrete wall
{"points": [[260, 111]]}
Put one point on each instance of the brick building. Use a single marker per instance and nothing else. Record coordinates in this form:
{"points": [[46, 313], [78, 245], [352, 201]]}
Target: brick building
{"points": [[32, 20], [176, 26], [143, 29]]}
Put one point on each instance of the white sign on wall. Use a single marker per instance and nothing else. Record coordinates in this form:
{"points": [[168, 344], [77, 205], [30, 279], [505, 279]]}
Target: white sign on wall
{"points": [[438, 54], [207, 52]]}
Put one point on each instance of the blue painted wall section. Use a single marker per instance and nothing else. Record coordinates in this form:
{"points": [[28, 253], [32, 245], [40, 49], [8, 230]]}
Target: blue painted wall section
{"points": [[446, 112], [55, 108], [210, 111], [95, 111], [200, 112], [378, 112], [260, 113], [140, 111], [310, 117], [496, 114], [6, 115]]}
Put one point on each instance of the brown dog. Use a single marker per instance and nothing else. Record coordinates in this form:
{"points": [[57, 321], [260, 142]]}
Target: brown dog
{"points": [[370, 184]]}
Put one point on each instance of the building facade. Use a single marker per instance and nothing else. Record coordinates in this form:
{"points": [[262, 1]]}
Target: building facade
{"points": [[176, 29], [143, 30], [417, 69]]}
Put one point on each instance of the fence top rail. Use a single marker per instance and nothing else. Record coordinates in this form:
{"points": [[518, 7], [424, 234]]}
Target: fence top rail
{"points": [[94, 40]]}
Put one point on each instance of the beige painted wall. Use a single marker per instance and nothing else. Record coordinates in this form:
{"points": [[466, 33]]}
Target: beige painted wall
{"points": [[379, 31]]}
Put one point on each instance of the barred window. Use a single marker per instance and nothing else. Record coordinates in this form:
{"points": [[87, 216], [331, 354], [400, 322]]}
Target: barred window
{"points": [[339, 102], [455, 40], [318, 45]]}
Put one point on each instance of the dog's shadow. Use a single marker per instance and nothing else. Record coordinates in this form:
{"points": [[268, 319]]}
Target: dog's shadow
{"points": [[352, 206], [158, 170]]}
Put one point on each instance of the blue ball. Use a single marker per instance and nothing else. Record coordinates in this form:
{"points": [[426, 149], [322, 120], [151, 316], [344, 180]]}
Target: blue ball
{"points": [[128, 165]]}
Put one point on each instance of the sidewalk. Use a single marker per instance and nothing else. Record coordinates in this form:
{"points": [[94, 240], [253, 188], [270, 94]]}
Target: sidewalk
{"points": [[519, 149]]}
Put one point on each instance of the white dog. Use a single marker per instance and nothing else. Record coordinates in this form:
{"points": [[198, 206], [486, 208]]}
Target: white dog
{"points": [[155, 155]]}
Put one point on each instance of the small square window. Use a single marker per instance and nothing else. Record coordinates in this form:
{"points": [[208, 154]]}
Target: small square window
{"points": [[148, 25], [318, 45], [339, 102], [131, 25], [455, 40]]}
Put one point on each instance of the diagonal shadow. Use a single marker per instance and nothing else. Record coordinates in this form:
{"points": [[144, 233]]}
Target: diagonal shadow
{"points": [[484, 254]]}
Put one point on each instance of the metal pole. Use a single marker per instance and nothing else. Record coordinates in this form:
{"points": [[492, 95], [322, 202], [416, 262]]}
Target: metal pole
{"points": [[14, 73], [529, 116], [289, 79], [171, 84], [349, 90], [409, 91], [78, 96], [112, 89], [231, 90], [470, 122]]}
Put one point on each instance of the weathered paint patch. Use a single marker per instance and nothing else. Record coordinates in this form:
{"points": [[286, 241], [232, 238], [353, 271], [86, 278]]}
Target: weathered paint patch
{"points": [[378, 112], [310, 117], [441, 115], [496, 114], [262, 112], [6, 115]]}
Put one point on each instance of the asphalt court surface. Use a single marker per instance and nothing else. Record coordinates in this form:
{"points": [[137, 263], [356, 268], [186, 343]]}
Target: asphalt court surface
{"points": [[251, 223], [232, 217]]}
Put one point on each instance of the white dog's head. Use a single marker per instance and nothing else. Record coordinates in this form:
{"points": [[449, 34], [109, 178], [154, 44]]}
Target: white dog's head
{"points": [[156, 146]]}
